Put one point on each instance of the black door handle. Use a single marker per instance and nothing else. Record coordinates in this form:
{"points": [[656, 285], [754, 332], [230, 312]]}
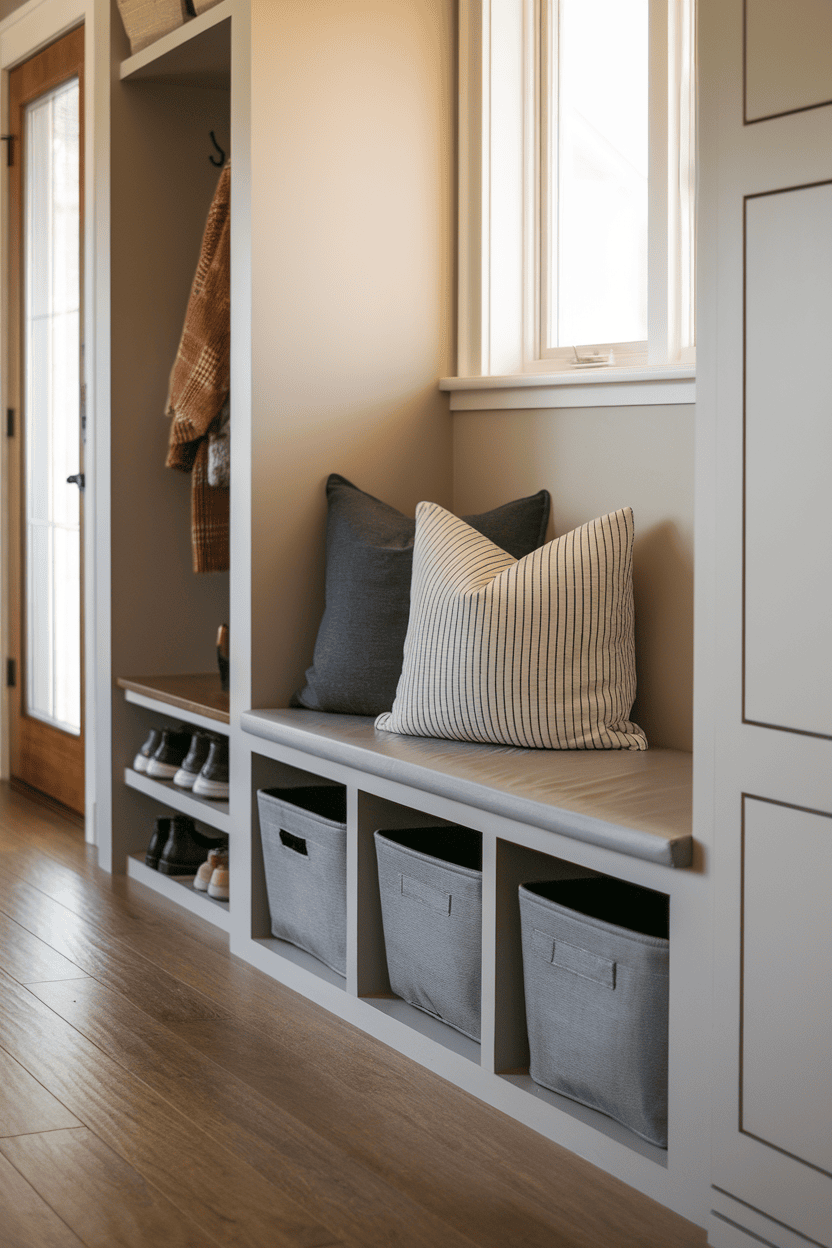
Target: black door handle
{"points": [[77, 479]]}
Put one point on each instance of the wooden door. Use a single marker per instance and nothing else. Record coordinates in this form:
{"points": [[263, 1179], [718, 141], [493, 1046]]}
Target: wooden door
{"points": [[764, 573], [46, 417]]}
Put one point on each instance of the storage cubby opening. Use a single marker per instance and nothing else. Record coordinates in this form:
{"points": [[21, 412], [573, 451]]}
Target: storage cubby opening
{"points": [[165, 616], [427, 872], [583, 951], [137, 722], [140, 800], [199, 51], [319, 799]]}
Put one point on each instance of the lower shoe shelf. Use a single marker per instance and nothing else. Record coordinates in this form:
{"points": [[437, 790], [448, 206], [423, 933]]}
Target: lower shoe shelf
{"points": [[215, 814], [180, 889]]}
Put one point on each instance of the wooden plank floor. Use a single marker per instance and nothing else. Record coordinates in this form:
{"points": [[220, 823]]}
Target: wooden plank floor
{"points": [[156, 1091]]}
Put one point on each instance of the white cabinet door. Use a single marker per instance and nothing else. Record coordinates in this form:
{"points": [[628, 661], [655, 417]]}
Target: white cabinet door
{"points": [[764, 610]]}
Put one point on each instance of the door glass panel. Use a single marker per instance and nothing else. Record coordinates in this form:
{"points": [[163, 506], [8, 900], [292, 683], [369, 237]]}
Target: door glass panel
{"points": [[51, 285]]}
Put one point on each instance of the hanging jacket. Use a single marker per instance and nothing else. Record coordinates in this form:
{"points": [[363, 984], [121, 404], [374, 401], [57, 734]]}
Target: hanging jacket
{"points": [[199, 383]]}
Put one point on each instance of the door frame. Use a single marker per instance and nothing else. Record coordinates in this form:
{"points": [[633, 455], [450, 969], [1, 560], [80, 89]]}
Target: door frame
{"points": [[39, 750], [24, 33]]}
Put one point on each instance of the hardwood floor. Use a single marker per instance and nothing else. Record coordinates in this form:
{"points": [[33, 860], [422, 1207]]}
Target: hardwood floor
{"points": [[156, 1091]]}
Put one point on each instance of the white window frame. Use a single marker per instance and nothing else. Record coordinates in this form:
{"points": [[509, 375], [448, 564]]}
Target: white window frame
{"points": [[499, 362]]}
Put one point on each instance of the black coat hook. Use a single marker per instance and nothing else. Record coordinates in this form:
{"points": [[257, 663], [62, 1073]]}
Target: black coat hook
{"points": [[217, 163]]}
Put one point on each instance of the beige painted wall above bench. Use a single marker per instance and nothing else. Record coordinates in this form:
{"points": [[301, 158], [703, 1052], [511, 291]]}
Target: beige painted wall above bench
{"points": [[595, 460]]}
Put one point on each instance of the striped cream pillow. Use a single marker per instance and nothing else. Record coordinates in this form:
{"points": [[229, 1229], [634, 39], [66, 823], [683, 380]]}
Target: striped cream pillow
{"points": [[537, 652]]}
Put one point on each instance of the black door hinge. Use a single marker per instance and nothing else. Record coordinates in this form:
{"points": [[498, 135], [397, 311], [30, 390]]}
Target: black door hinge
{"points": [[11, 673], [9, 422], [10, 139]]}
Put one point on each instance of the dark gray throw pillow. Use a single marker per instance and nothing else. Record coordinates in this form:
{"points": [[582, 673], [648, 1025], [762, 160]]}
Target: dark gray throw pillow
{"points": [[369, 559]]}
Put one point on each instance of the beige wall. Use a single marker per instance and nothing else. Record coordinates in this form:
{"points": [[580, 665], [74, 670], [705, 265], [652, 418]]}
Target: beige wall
{"points": [[353, 108], [595, 460]]}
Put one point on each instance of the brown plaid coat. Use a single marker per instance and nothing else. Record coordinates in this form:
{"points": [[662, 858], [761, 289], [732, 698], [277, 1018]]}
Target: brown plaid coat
{"points": [[199, 383]]}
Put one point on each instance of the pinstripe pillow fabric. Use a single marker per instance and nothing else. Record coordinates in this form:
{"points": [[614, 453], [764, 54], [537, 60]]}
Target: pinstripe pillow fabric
{"points": [[537, 652]]}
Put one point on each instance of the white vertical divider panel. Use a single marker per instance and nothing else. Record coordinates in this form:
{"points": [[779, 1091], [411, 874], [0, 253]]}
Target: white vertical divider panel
{"points": [[488, 996], [367, 974], [763, 738], [246, 875]]}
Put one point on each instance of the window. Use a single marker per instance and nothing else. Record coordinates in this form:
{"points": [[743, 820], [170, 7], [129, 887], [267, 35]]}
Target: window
{"points": [[576, 189]]}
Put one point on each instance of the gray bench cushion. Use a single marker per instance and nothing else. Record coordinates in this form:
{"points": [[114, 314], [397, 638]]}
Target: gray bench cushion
{"points": [[635, 803]]}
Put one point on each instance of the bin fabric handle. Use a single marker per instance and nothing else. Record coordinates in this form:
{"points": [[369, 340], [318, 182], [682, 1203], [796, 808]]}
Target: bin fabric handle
{"points": [[297, 843], [426, 893], [572, 958]]}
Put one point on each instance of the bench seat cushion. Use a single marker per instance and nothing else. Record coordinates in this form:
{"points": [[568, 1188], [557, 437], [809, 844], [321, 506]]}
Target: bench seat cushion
{"points": [[636, 803]]}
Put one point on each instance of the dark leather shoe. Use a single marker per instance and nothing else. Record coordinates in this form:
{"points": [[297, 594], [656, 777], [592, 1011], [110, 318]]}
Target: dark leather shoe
{"points": [[185, 849], [194, 760], [212, 781], [169, 755], [151, 745], [161, 832]]}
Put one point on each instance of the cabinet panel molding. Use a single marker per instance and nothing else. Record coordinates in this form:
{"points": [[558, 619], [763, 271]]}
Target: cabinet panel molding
{"points": [[788, 57], [786, 1002], [787, 558]]}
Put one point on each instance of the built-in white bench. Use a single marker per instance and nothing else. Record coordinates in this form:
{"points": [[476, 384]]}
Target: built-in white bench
{"points": [[542, 814]]}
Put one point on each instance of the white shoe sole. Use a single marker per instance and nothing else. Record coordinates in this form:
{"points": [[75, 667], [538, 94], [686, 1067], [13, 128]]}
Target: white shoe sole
{"points": [[162, 771], [140, 762], [217, 789], [219, 894], [184, 779]]}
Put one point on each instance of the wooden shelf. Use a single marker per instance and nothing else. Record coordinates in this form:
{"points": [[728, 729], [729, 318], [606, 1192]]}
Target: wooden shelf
{"points": [[180, 889], [198, 695], [196, 54], [215, 814]]}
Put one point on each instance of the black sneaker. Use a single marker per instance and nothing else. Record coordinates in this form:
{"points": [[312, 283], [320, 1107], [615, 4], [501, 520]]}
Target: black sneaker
{"points": [[161, 832], [185, 849], [194, 760], [212, 781], [169, 754], [151, 745]]}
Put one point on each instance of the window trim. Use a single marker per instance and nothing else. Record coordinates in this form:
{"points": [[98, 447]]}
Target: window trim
{"points": [[498, 328]]}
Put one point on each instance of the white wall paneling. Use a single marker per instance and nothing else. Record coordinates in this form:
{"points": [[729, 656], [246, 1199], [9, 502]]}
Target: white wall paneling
{"points": [[786, 1027], [788, 459], [763, 766]]}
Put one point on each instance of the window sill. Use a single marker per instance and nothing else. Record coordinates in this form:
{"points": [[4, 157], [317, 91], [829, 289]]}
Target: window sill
{"points": [[603, 387]]}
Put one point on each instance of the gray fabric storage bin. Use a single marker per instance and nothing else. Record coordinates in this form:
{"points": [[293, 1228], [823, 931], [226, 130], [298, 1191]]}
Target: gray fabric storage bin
{"points": [[595, 962], [430, 880], [304, 837]]}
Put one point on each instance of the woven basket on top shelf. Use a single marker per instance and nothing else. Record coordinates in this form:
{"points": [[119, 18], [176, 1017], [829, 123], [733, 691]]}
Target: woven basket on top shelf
{"points": [[147, 20]]}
